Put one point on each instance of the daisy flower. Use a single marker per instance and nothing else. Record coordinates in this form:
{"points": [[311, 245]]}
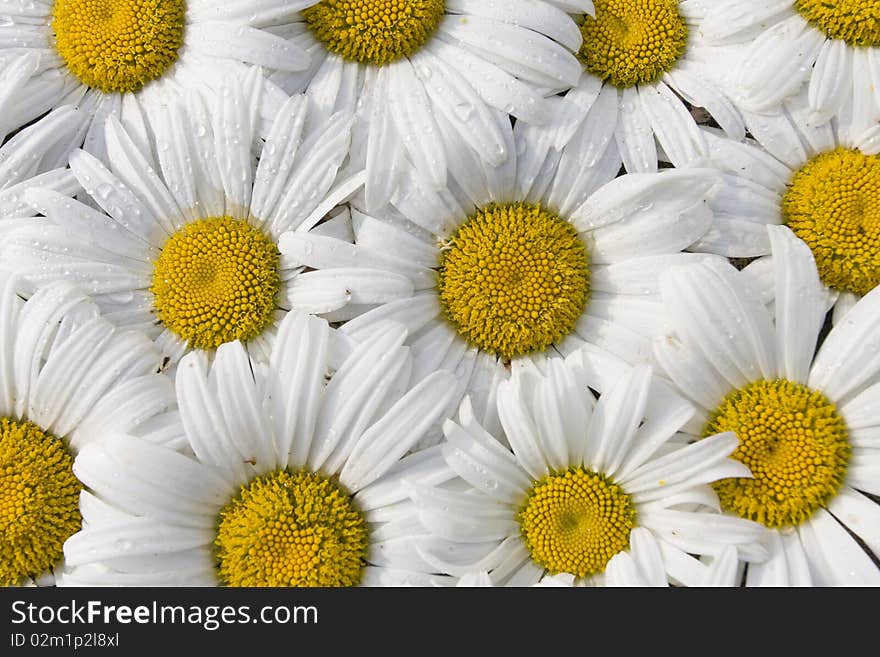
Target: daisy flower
{"points": [[185, 247], [826, 49], [416, 69], [640, 58], [807, 421], [114, 56], [67, 376], [582, 482], [289, 477], [542, 253], [822, 182]]}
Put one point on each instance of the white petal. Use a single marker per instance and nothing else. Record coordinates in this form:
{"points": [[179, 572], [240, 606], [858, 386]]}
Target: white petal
{"points": [[409, 107], [520, 51], [801, 301], [634, 135], [673, 125], [241, 403], [542, 17], [136, 537], [779, 62], [363, 384], [712, 308], [830, 79], [397, 431], [693, 84], [858, 514], [838, 559], [484, 463], [278, 156], [520, 429], [683, 465], [849, 358], [724, 569], [499, 88], [295, 385], [246, 44], [615, 420], [638, 198]]}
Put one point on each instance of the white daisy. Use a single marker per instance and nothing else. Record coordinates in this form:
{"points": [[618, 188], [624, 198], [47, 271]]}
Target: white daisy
{"points": [[820, 181], [807, 421], [829, 50], [436, 67], [640, 58], [185, 249], [539, 254], [289, 478], [67, 376], [582, 481], [116, 56]]}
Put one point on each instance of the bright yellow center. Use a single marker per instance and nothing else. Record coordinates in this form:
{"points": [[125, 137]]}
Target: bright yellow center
{"points": [[375, 32], [215, 282], [39, 501], [514, 279], [291, 529], [575, 521], [855, 21], [633, 42], [795, 444], [833, 204], [118, 45]]}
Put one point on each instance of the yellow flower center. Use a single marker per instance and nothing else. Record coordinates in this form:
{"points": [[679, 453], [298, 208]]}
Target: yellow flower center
{"points": [[215, 282], [291, 529], [39, 501], [795, 444], [514, 279], [375, 32], [833, 204], [118, 45], [633, 42], [575, 521], [855, 21]]}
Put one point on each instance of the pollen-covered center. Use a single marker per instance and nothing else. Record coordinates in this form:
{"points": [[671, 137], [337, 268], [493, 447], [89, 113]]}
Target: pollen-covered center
{"points": [[833, 204], [375, 32], [39, 501], [855, 21], [291, 529], [575, 521], [794, 442], [633, 42], [215, 282], [514, 279], [118, 45]]}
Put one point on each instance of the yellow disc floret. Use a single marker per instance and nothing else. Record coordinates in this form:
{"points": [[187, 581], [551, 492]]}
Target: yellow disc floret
{"points": [[375, 32], [514, 279], [794, 442], [39, 501], [833, 204], [215, 281], [118, 45], [575, 521], [633, 42], [855, 21], [291, 529]]}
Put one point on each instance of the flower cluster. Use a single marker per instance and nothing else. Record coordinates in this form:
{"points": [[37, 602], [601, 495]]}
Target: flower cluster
{"points": [[440, 292]]}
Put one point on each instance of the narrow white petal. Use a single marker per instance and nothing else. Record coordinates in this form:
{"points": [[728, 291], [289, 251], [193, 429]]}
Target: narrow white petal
{"points": [[801, 302], [397, 431]]}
